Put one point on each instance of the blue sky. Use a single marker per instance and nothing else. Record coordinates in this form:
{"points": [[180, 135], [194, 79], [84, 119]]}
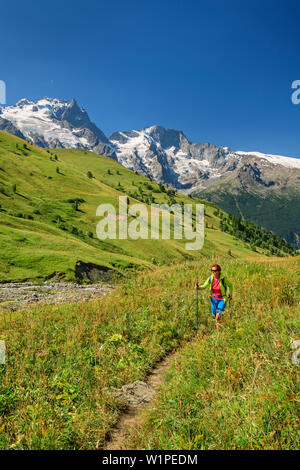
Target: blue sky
{"points": [[219, 70]]}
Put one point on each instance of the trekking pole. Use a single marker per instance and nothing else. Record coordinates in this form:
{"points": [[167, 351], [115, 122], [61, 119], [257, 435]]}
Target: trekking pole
{"points": [[197, 289]]}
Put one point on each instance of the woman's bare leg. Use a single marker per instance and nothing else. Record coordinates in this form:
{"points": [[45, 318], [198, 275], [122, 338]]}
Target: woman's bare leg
{"points": [[218, 318]]}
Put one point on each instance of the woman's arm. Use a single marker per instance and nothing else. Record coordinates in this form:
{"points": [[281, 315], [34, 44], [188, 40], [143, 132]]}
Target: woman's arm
{"points": [[230, 287], [203, 286]]}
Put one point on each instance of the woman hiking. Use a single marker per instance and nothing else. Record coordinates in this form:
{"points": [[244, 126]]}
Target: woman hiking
{"points": [[220, 291]]}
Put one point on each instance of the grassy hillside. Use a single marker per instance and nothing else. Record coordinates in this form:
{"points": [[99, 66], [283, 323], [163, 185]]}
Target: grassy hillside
{"points": [[48, 201], [234, 388], [275, 210]]}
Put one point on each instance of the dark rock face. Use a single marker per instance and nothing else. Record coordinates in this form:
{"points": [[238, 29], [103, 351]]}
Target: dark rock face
{"points": [[168, 137], [8, 126], [92, 272], [105, 150], [78, 118], [122, 136], [40, 141], [294, 239], [74, 115]]}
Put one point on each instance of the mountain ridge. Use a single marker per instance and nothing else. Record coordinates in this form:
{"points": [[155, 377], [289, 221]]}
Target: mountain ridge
{"points": [[166, 156]]}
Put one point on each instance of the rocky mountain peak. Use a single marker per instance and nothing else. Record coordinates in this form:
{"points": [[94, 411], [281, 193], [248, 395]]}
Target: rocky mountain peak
{"points": [[75, 115], [167, 138], [52, 122]]}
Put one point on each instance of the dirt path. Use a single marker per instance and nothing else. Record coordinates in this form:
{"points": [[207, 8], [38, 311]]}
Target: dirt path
{"points": [[132, 416]]}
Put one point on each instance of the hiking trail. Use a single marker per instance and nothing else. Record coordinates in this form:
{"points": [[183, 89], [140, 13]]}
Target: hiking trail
{"points": [[138, 396]]}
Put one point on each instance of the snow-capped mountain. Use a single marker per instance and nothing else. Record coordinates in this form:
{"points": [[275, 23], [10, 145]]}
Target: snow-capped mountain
{"points": [[54, 123], [167, 156], [288, 162], [260, 187]]}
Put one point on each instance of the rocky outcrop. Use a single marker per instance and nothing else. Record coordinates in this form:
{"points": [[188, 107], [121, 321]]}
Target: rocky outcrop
{"points": [[92, 272], [134, 394]]}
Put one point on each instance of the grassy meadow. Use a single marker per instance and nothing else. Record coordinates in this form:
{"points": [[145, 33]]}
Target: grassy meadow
{"points": [[231, 388], [235, 387]]}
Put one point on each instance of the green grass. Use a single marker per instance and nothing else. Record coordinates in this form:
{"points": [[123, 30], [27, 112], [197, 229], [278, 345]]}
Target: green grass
{"points": [[43, 235], [235, 387], [232, 388]]}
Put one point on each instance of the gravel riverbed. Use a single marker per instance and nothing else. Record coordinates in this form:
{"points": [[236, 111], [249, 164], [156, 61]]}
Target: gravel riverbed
{"points": [[17, 295]]}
